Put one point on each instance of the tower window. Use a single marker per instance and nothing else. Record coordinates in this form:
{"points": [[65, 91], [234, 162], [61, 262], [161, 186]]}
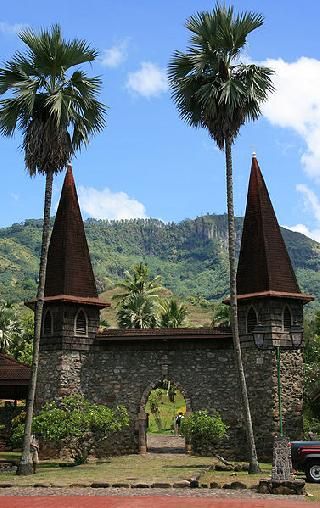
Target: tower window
{"points": [[81, 327], [47, 323], [252, 320], [287, 321]]}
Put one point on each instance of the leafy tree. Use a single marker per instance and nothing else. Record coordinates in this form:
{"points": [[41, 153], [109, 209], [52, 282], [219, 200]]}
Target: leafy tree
{"points": [[203, 430], [9, 326], [139, 282], [172, 314], [76, 424], [214, 90], [57, 111], [155, 399], [138, 301], [137, 311], [221, 315]]}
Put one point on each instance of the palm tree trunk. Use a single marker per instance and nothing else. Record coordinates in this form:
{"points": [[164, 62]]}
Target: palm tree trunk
{"points": [[25, 466], [253, 466]]}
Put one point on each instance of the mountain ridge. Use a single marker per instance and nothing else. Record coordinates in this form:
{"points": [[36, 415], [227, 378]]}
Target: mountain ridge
{"points": [[190, 255]]}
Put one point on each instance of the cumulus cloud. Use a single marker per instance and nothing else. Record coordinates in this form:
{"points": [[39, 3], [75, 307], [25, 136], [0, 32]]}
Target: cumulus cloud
{"points": [[11, 28], [296, 105], [149, 81], [116, 55], [105, 204], [312, 204]]}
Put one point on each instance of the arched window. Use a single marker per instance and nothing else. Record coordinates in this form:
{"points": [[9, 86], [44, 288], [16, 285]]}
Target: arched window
{"points": [[287, 321], [47, 323], [81, 324], [252, 320]]}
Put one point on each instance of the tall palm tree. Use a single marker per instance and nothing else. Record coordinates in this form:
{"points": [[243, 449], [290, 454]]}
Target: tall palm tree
{"points": [[55, 106], [214, 90]]}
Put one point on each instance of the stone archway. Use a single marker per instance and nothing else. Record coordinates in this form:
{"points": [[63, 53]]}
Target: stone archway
{"points": [[141, 420]]}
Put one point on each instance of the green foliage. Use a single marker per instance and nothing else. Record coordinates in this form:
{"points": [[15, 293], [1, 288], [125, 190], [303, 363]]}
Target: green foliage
{"points": [[221, 315], [172, 314], [16, 332], [210, 85], [137, 303], [76, 424], [203, 430], [50, 98]]}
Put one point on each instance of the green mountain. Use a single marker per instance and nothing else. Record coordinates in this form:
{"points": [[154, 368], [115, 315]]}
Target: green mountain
{"points": [[191, 256]]}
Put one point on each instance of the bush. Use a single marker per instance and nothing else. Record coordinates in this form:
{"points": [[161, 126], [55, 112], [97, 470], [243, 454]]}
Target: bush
{"points": [[74, 423], [203, 430]]}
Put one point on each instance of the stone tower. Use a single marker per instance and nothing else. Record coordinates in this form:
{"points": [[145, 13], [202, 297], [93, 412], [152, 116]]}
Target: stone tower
{"points": [[72, 307], [269, 297]]}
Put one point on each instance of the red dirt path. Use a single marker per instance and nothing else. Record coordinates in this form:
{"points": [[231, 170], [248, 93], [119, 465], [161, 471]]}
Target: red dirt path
{"points": [[143, 502]]}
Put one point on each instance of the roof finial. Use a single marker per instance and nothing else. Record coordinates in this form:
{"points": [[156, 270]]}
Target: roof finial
{"points": [[254, 155]]}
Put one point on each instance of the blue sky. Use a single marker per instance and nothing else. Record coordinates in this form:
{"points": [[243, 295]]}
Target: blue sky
{"points": [[147, 162]]}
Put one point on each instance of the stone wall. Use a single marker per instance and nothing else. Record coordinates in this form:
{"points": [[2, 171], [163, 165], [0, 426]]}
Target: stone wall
{"points": [[115, 372]]}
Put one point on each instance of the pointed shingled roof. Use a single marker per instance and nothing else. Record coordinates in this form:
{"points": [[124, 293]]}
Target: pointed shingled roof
{"points": [[69, 275], [264, 267]]}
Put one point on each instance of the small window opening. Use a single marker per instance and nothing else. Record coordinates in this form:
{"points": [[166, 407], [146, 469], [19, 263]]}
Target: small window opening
{"points": [[47, 324], [252, 320], [81, 323], [287, 320]]}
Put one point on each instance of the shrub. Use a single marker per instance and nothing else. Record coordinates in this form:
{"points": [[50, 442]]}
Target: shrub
{"points": [[203, 430], [75, 423]]}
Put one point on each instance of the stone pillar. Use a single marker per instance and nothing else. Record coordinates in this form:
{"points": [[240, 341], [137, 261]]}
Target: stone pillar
{"points": [[142, 432]]}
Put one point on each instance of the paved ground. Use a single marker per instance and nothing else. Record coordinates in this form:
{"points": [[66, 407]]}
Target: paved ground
{"points": [[144, 502], [158, 443]]}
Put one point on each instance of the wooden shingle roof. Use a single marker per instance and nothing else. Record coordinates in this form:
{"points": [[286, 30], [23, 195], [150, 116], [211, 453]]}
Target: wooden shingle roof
{"points": [[264, 266], [69, 275]]}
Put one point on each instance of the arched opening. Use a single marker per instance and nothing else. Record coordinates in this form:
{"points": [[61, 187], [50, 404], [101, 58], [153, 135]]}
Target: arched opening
{"points": [[163, 406], [48, 323], [252, 320], [81, 323], [287, 320]]}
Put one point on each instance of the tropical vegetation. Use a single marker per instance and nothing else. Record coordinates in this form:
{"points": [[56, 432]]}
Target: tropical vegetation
{"points": [[213, 89], [54, 103], [203, 430], [76, 424]]}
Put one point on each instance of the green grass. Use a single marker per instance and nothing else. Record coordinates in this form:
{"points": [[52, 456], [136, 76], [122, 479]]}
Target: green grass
{"points": [[129, 469], [168, 412]]}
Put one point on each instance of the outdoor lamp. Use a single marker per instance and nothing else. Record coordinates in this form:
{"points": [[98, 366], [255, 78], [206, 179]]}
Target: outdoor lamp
{"points": [[258, 335], [296, 335]]}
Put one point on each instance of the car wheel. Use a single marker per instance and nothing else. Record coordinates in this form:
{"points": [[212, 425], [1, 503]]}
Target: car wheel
{"points": [[313, 471]]}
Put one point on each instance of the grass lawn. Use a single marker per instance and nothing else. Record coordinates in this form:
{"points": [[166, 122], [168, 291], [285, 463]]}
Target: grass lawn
{"points": [[140, 468], [128, 469]]}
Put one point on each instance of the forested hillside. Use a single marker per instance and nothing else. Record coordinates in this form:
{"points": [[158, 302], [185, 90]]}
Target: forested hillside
{"points": [[191, 256]]}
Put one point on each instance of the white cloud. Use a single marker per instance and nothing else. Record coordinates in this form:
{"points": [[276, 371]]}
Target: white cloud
{"points": [[8, 28], [149, 81], [115, 56], [312, 204], [296, 105], [105, 204]]}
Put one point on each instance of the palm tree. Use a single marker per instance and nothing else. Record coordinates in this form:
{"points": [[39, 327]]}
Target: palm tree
{"points": [[138, 301], [57, 110], [139, 281], [172, 314], [214, 90], [137, 311]]}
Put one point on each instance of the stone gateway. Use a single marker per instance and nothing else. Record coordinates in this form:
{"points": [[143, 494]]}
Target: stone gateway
{"points": [[123, 366]]}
